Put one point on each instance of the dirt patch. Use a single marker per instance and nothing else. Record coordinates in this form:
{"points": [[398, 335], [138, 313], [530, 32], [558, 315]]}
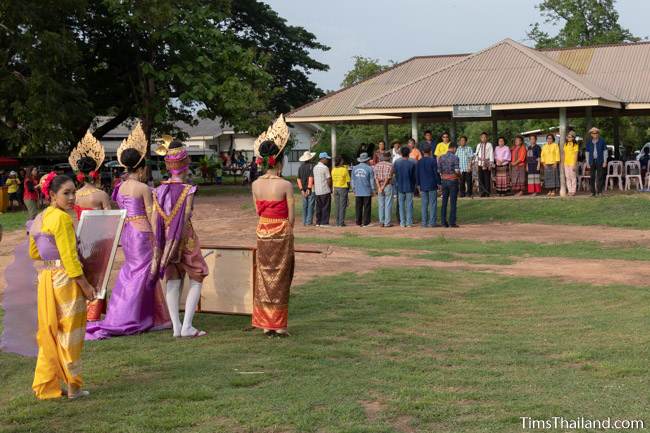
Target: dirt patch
{"points": [[373, 409], [231, 220]]}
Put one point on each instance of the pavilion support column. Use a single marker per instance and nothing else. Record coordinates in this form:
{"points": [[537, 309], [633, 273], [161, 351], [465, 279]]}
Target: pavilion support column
{"points": [[414, 126], [452, 130], [333, 140], [563, 130], [589, 122], [495, 130], [617, 137], [386, 134]]}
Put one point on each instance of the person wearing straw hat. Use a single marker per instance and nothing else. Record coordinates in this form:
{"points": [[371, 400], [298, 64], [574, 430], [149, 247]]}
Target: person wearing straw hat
{"points": [[596, 157], [363, 186], [305, 182], [323, 189], [571, 149]]}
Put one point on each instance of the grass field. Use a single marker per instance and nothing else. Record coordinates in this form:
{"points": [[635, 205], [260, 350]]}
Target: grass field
{"points": [[616, 210], [395, 350]]}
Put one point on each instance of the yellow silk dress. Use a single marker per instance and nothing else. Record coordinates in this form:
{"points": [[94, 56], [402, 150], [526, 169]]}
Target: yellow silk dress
{"points": [[61, 304]]}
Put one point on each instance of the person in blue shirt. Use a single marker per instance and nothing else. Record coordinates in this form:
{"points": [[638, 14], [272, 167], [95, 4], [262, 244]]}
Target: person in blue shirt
{"points": [[596, 157], [426, 176], [449, 169], [405, 184], [363, 185]]}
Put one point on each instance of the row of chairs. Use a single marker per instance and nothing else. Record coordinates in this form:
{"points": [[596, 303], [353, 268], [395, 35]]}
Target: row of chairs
{"points": [[626, 176]]}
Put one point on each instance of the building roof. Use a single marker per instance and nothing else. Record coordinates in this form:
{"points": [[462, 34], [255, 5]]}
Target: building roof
{"points": [[343, 103], [506, 73], [204, 128]]}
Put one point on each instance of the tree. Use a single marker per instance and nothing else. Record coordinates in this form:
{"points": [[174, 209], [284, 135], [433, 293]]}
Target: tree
{"points": [[364, 68], [585, 22], [66, 62], [283, 51]]}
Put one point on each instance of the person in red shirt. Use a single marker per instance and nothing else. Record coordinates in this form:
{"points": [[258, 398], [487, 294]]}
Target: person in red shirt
{"points": [[518, 155], [30, 192]]}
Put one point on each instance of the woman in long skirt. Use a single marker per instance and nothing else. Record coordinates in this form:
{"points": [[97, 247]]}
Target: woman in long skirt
{"points": [[550, 159], [273, 197], [533, 154], [502, 157], [62, 293], [137, 303], [518, 166]]}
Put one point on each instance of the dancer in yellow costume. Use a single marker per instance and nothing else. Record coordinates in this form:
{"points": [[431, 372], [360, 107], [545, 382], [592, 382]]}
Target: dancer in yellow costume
{"points": [[62, 294]]}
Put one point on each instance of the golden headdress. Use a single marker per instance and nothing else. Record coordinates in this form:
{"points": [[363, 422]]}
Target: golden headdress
{"points": [[88, 146], [136, 140], [278, 133]]}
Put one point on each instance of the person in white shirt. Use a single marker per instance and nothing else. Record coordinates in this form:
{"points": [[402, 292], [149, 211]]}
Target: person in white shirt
{"points": [[323, 190], [485, 161]]}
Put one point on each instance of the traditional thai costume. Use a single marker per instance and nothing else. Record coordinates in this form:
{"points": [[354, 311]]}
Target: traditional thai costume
{"points": [[518, 168], [90, 147], [274, 259], [136, 304], [61, 303], [533, 154], [177, 250]]}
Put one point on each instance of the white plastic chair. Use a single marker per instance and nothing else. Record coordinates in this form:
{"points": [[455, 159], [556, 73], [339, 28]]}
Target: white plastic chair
{"points": [[614, 172], [633, 173], [583, 177]]}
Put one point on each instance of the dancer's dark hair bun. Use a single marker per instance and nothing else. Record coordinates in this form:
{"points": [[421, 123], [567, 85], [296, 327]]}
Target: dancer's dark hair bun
{"points": [[132, 159], [268, 148], [175, 144], [86, 164]]}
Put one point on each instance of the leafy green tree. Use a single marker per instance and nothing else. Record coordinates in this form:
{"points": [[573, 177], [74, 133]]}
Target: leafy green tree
{"points": [[66, 62], [281, 49], [364, 68], [584, 22]]}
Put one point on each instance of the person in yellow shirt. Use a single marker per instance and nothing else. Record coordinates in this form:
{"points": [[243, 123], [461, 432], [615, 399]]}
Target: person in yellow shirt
{"points": [[12, 183], [341, 185], [550, 159], [443, 146], [571, 149], [62, 293]]}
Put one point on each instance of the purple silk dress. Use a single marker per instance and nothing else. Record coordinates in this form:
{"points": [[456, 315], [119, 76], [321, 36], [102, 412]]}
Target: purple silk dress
{"points": [[136, 304]]}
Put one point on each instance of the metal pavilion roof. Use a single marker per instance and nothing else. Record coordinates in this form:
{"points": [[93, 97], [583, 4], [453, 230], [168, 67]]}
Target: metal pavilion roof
{"points": [[507, 75]]}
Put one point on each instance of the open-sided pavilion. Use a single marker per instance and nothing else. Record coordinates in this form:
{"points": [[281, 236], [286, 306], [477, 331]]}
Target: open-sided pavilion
{"points": [[507, 80]]}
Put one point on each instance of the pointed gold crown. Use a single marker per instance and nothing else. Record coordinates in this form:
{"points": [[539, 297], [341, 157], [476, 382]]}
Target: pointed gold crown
{"points": [[163, 148], [88, 146], [278, 133], [136, 140]]}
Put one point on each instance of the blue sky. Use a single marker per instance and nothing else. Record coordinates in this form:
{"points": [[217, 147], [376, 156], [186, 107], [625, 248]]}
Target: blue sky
{"points": [[399, 29]]}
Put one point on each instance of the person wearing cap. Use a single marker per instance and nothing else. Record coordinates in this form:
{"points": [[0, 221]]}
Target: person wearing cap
{"points": [[363, 186], [305, 182], [323, 189], [426, 177], [596, 157], [449, 168], [571, 149], [341, 187], [383, 171], [12, 184]]}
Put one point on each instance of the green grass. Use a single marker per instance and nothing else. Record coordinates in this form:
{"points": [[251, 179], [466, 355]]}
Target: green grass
{"points": [[13, 220], [487, 252], [435, 351], [616, 210]]}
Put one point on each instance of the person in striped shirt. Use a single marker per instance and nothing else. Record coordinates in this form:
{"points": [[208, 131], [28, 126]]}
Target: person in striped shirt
{"points": [[465, 155]]}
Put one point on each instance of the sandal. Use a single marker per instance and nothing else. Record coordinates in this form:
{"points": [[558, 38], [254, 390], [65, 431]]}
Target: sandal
{"points": [[270, 333], [196, 334], [79, 394]]}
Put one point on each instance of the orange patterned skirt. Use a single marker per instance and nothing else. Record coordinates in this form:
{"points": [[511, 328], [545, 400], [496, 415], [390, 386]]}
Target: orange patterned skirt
{"points": [[274, 262]]}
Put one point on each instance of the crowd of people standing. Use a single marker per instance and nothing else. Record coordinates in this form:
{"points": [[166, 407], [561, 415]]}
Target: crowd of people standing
{"points": [[451, 170]]}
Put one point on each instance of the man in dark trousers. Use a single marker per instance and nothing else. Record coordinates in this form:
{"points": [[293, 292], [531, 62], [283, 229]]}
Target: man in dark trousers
{"points": [[449, 168]]}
